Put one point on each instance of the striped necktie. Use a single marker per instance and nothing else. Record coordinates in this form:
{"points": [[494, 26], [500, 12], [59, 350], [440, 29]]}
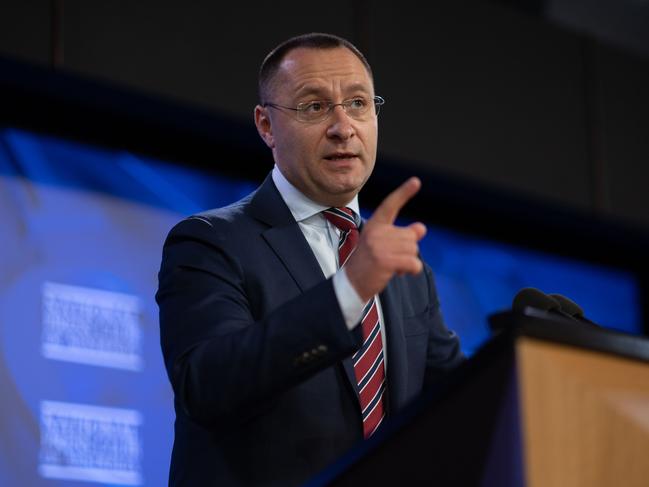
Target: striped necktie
{"points": [[369, 367]]}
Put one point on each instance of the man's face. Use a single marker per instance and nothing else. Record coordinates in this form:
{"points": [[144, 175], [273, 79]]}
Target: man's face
{"points": [[329, 161]]}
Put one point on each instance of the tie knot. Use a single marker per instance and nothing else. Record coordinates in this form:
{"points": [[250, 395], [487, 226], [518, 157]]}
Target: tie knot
{"points": [[341, 218]]}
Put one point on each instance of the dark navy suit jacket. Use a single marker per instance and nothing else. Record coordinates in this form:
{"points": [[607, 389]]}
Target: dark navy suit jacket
{"points": [[258, 353]]}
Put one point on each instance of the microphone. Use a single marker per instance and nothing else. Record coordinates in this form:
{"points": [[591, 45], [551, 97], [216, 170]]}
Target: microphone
{"points": [[568, 305], [571, 308], [555, 304], [561, 307], [535, 298]]}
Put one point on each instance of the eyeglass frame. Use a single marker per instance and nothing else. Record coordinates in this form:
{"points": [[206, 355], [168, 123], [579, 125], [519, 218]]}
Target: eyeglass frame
{"points": [[377, 100]]}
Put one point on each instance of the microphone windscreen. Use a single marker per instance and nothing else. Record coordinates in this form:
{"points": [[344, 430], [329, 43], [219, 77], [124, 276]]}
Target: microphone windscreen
{"points": [[530, 296], [568, 305]]}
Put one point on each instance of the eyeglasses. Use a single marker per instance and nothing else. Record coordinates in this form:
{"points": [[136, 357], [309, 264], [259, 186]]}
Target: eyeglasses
{"points": [[319, 110]]}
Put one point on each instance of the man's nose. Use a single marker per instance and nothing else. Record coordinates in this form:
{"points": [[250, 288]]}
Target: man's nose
{"points": [[340, 125]]}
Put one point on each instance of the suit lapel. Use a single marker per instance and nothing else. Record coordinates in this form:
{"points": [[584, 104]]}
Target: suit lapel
{"points": [[284, 236], [293, 250], [397, 366]]}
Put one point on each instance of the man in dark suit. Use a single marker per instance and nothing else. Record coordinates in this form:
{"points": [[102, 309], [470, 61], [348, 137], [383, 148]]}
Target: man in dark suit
{"points": [[271, 308]]}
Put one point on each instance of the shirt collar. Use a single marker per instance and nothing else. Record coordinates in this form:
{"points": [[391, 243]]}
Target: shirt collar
{"points": [[300, 206]]}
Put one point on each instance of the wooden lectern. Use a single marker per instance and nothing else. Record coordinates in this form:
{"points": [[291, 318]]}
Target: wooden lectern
{"points": [[547, 402]]}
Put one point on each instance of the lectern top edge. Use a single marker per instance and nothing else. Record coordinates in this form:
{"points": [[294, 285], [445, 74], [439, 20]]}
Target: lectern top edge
{"points": [[545, 326]]}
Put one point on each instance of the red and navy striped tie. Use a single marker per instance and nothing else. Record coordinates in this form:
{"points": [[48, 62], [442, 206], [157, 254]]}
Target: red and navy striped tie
{"points": [[369, 366]]}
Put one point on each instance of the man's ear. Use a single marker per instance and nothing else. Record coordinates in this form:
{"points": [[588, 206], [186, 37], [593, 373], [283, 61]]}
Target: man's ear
{"points": [[264, 126]]}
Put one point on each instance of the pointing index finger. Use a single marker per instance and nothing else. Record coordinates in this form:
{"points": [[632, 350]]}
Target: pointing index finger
{"points": [[391, 206]]}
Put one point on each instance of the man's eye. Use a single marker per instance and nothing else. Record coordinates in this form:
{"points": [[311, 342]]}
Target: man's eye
{"points": [[314, 107], [358, 103]]}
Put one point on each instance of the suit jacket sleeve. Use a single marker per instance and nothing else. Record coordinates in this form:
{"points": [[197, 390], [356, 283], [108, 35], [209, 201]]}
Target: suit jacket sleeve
{"points": [[228, 348]]}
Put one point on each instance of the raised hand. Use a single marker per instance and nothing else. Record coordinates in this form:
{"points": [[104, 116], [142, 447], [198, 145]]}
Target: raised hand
{"points": [[384, 249]]}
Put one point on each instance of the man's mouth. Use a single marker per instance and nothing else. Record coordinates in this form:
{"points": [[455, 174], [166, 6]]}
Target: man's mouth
{"points": [[339, 156]]}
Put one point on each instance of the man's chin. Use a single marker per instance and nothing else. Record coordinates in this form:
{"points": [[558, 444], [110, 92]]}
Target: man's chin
{"points": [[342, 192]]}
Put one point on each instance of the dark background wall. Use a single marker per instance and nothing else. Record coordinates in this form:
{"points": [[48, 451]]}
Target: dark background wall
{"points": [[475, 89]]}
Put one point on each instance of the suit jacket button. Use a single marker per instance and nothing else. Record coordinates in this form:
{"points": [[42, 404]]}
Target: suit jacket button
{"points": [[322, 349]]}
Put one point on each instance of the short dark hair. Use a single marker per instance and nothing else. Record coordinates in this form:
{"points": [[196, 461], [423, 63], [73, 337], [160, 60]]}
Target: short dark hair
{"points": [[313, 40]]}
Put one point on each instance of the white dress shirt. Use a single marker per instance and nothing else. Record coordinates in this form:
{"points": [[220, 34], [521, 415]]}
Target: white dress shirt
{"points": [[322, 236]]}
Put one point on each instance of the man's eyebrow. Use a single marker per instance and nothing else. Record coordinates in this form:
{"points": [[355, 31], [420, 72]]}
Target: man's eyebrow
{"points": [[322, 92]]}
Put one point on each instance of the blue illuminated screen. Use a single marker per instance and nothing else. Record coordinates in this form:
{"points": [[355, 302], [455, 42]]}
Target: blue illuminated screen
{"points": [[85, 399]]}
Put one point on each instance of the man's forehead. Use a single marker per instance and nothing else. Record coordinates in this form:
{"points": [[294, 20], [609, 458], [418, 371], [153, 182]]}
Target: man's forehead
{"points": [[316, 63], [310, 70]]}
